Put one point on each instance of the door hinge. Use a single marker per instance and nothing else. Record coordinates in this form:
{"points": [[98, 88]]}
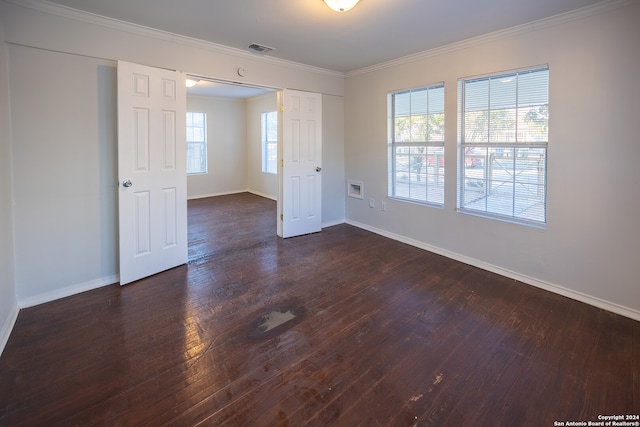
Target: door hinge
{"points": [[282, 108], [281, 163], [281, 217]]}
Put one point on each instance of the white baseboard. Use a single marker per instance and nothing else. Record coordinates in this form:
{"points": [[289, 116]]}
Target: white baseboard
{"points": [[67, 292], [332, 223], [266, 196], [7, 326], [551, 287], [224, 193]]}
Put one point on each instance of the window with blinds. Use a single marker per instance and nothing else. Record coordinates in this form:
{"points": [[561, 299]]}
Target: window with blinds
{"points": [[503, 127], [416, 158], [270, 142], [196, 143]]}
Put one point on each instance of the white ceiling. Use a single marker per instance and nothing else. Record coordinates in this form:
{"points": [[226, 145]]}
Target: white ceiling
{"points": [[308, 32]]}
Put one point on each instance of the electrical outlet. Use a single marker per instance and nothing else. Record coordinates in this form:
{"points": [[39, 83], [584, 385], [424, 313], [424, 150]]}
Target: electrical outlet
{"points": [[372, 202], [383, 206]]}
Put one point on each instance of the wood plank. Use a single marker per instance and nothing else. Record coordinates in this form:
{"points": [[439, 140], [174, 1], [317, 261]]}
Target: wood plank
{"points": [[378, 333]]}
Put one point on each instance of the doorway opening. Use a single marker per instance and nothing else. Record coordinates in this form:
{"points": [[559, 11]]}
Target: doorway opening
{"points": [[236, 151]]}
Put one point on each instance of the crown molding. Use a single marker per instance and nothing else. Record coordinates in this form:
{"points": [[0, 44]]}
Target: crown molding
{"points": [[140, 30], [115, 24], [497, 35]]}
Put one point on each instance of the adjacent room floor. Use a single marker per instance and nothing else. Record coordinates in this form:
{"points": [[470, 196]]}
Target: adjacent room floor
{"points": [[338, 328]]}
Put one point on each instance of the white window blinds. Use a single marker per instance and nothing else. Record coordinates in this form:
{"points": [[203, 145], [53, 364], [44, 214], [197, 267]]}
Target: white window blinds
{"points": [[196, 143], [417, 145], [503, 132]]}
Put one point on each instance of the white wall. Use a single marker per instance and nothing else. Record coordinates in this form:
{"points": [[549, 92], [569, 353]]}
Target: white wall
{"points": [[226, 147], [591, 245], [63, 92], [258, 182], [8, 302], [64, 172], [50, 27], [333, 178]]}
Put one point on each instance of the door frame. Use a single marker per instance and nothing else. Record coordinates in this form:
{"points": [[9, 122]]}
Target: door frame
{"points": [[278, 91]]}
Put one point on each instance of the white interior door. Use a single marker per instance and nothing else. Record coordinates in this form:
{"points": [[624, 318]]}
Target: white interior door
{"points": [[300, 180], [152, 178]]}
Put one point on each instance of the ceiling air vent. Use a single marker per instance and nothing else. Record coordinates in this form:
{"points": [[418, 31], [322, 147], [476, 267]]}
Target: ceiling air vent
{"points": [[262, 50]]}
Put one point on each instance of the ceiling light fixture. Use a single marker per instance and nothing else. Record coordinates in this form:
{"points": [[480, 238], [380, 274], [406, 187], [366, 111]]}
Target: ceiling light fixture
{"points": [[191, 82], [341, 5]]}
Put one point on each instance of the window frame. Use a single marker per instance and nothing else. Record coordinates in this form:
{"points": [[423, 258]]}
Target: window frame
{"points": [[203, 143], [266, 143], [437, 148], [490, 150]]}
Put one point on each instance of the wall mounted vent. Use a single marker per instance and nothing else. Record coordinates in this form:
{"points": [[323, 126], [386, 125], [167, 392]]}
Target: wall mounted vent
{"points": [[355, 189]]}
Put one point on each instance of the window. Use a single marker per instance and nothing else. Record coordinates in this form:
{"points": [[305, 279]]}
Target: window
{"points": [[503, 137], [196, 143], [270, 142], [416, 158]]}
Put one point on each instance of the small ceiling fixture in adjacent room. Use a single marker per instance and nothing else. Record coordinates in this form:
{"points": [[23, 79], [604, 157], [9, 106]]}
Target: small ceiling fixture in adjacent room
{"points": [[191, 82], [341, 5], [258, 48]]}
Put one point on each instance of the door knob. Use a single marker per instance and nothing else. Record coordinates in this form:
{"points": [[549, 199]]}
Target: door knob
{"points": [[318, 169], [127, 183]]}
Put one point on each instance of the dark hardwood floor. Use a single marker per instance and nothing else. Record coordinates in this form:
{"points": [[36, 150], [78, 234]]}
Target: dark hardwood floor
{"points": [[339, 328]]}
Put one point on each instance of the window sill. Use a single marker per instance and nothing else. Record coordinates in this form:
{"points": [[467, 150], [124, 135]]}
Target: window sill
{"points": [[501, 218]]}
